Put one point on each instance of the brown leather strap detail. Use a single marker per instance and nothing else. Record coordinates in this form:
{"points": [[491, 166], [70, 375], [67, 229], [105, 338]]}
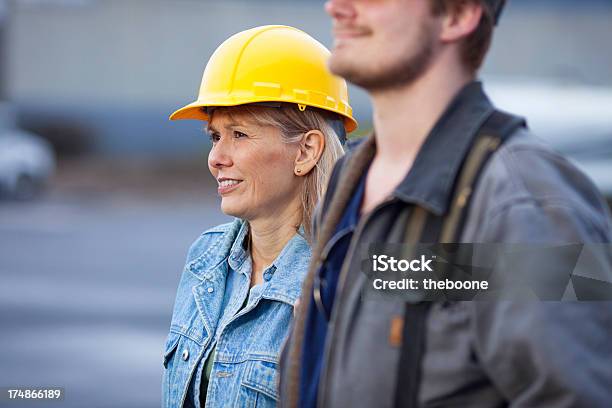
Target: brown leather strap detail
{"points": [[415, 224], [349, 178], [481, 150], [414, 230]]}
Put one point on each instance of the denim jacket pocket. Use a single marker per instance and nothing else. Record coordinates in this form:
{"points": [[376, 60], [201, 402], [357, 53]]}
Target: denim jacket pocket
{"points": [[181, 354], [169, 350], [170, 347], [261, 377]]}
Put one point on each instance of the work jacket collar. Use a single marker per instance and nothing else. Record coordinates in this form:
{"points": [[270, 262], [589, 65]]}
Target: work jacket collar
{"points": [[431, 179]]}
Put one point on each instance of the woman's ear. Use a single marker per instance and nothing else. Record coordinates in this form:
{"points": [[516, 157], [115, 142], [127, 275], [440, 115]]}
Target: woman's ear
{"points": [[310, 150]]}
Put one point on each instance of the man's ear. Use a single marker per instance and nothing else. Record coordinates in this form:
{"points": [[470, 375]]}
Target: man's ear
{"points": [[461, 22], [310, 150]]}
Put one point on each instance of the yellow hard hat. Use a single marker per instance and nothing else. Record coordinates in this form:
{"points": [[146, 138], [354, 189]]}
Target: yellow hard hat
{"points": [[270, 64]]}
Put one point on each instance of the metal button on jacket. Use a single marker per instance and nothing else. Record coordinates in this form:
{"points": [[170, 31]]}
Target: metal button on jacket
{"points": [[210, 290], [185, 354]]}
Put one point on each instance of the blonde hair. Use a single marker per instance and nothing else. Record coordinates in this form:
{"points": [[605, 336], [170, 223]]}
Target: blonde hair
{"points": [[293, 125]]}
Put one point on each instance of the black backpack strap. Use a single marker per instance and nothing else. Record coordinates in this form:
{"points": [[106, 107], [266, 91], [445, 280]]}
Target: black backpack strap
{"points": [[411, 354], [422, 227], [493, 133]]}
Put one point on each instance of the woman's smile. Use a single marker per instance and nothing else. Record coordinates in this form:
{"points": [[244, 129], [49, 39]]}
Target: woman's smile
{"points": [[227, 185]]}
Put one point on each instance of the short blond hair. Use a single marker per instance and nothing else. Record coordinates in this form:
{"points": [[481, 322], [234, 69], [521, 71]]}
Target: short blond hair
{"points": [[293, 125]]}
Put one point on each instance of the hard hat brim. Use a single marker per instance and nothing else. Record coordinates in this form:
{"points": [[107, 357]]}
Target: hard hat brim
{"points": [[195, 111]]}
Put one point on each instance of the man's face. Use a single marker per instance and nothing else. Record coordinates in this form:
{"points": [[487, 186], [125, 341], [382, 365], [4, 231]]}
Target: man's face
{"points": [[382, 44]]}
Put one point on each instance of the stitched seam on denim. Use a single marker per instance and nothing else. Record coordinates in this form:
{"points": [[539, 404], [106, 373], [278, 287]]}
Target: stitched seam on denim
{"points": [[190, 337], [250, 379], [209, 248], [281, 297], [222, 356], [172, 345], [212, 247]]}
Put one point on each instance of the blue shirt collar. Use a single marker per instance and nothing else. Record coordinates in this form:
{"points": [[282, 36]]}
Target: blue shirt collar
{"points": [[287, 270]]}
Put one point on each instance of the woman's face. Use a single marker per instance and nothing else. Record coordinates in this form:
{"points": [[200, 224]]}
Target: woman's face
{"points": [[253, 167]]}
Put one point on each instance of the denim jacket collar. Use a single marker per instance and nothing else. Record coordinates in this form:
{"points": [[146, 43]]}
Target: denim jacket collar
{"points": [[287, 271]]}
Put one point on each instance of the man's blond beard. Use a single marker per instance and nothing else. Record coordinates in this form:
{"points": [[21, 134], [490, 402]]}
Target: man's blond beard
{"points": [[402, 72]]}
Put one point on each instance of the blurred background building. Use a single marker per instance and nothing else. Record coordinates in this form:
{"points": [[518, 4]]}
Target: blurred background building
{"points": [[102, 75], [88, 271]]}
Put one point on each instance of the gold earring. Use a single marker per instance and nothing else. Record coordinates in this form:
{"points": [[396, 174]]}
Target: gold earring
{"points": [[299, 170]]}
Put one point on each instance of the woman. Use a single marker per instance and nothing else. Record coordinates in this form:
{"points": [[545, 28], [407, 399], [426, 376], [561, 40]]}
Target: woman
{"points": [[276, 118]]}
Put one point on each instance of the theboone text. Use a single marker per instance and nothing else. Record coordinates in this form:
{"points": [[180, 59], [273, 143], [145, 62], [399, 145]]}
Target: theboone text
{"points": [[384, 263]]}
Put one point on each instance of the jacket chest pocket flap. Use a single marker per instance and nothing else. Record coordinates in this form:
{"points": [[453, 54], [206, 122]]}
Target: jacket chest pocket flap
{"points": [[261, 376], [170, 347]]}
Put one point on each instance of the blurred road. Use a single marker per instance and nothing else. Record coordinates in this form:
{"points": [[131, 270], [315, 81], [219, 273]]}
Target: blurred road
{"points": [[88, 276]]}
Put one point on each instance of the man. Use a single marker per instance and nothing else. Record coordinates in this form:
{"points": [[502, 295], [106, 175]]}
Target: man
{"points": [[418, 59]]}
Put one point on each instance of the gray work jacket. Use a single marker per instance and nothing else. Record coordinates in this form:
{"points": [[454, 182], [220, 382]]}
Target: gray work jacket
{"points": [[485, 354]]}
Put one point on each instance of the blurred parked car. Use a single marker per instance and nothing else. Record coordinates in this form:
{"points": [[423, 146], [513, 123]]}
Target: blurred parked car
{"points": [[26, 160], [575, 119]]}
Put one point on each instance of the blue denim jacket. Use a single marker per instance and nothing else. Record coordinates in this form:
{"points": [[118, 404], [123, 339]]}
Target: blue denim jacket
{"points": [[248, 340]]}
